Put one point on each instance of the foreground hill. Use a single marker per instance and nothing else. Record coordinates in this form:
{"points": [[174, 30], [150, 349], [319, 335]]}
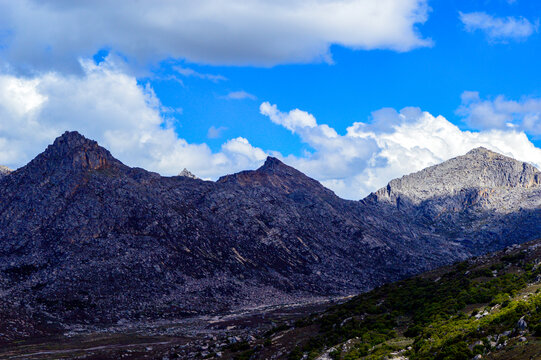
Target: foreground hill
{"points": [[488, 307], [85, 239]]}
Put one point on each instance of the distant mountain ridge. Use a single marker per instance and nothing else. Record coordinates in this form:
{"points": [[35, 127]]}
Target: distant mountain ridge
{"points": [[85, 238], [479, 199], [479, 168]]}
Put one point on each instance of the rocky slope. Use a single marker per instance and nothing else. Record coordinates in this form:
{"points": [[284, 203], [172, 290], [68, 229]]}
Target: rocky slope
{"points": [[86, 239]]}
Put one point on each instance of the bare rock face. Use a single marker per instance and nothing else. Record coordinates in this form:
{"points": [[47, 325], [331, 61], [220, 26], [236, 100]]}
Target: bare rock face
{"points": [[86, 239], [4, 170], [187, 174]]}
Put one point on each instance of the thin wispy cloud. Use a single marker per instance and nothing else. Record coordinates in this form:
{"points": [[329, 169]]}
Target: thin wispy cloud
{"points": [[187, 72], [501, 113], [239, 95], [215, 132], [499, 29]]}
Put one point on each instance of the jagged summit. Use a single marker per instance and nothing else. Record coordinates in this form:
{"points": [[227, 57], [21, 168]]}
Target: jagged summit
{"points": [[73, 151], [275, 174], [273, 165], [272, 162], [186, 173], [72, 140], [481, 151]]}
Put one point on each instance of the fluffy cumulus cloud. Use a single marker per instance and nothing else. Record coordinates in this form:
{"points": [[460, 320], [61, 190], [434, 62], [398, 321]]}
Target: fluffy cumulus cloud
{"points": [[109, 106], [53, 34], [501, 113], [499, 29], [391, 145]]}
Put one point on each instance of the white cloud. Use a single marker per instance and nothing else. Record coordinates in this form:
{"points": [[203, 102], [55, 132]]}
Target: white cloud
{"points": [[295, 120], [239, 95], [393, 144], [109, 106], [498, 29], [501, 113], [53, 34]]}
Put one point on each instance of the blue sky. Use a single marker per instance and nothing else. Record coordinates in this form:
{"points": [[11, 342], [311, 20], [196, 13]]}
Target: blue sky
{"points": [[217, 86], [359, 82]]}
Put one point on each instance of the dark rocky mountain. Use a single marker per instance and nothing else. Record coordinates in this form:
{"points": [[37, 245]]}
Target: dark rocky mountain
{"points": [[86, 239]]}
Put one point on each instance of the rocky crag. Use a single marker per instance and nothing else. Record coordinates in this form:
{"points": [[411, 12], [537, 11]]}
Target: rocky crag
{"points": [[4, 170], [86, 239], [185, 172]]}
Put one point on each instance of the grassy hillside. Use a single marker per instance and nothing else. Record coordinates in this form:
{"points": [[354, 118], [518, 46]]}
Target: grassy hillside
{"points": [[472, 309]]}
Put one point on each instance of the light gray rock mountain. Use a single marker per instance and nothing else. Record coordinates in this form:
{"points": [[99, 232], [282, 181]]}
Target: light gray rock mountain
{"points": [[4, 170], [478, 198], [478, 169], [186, 173]]}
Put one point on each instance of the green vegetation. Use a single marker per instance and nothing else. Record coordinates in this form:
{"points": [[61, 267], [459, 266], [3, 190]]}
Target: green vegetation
{"points": [[452, 314]]}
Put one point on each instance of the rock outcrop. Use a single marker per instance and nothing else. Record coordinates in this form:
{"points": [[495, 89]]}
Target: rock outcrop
{"points": [[186, 173], [4, 170]]}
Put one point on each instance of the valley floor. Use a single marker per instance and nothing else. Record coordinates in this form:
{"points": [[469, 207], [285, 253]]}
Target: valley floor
{"points": [[220, 336]]}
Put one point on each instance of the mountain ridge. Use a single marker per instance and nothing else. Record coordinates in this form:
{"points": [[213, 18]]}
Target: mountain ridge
{"points": [[171, 246]]}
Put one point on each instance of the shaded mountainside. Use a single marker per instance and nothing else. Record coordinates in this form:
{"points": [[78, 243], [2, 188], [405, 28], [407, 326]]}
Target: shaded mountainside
{"points": [[86, 239]]}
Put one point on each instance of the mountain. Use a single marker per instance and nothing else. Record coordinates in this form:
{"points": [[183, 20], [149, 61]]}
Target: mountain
{"points": [[482, 200], [87, 239]]}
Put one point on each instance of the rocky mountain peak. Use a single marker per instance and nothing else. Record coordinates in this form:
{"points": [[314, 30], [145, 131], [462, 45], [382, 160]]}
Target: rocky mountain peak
{"points": [[480, 168], [279, 176], [186, 173], [73, 151], [481, 151], [274, 166]]}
